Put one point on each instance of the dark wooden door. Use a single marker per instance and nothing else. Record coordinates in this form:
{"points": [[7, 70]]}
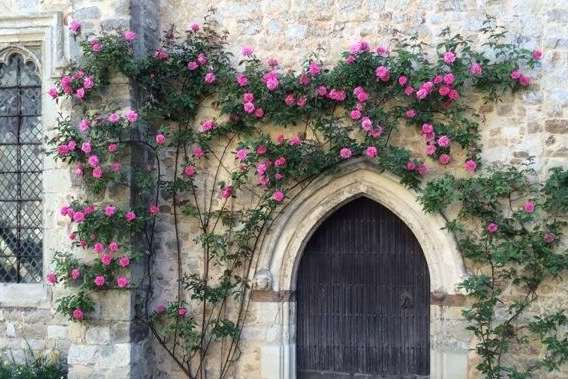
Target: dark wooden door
{"points": [[363, 298]]}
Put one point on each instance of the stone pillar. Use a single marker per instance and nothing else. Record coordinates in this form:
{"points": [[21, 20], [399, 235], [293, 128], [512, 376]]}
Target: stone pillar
{"points": [[112, 345]]}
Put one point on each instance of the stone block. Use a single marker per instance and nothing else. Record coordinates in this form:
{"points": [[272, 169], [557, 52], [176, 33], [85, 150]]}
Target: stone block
{"points": [[83, 355], [98, 335]]}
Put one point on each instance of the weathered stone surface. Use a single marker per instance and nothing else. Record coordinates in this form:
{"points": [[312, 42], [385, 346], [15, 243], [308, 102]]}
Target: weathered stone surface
{"points": [[556, 126]]}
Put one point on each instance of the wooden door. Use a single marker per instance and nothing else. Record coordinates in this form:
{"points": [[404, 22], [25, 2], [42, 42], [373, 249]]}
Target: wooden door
{"points": [[363, 298]]}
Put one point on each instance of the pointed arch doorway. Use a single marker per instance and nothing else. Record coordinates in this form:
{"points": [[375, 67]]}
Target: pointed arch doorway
{"points": [[363, 298]]}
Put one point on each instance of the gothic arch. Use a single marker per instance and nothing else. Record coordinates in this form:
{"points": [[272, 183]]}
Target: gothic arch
{"points": [[282, 248]]}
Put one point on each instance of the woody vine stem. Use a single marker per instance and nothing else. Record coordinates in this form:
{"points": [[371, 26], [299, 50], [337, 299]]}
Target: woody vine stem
{"points": [[231, 177]]}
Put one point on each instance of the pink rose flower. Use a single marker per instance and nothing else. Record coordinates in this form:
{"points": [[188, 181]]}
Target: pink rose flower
{"points": [[261, 149], [475, 69], [75, 274], [99, 280], [113, 118], [383, 51], [454, 95], [549, 237], [470, 165], [97, 172], [259, 113], [192, 66], [51, 278], [182, 311], [280, 162], [524, 81], [321, 90], [249, 107], [88, 82], [99, 247], [122, 281], [161, 54], [189, 171], [247, 51], [113, 246], [115, 166], [241, 154], [131, 116], [411, 113], [371, 151], [110, 210], [84, 125], [382, 73], [227, 192], [290, 100], [295, 141], [75, 27], [449, 57], [160, 308], [112, 148], [242, 80], [314, 69], [537, 54], [278, 196], [130, 216], [154, 209], [93, 161], [198, 152], [449, 78], [355, 114], [129, 35], [515, 74], [422, 169], [444, 90], [402, 80], [78, 216], [210, 78], [80, 94], [444, 159], [78, 171], [86, 147], [106, 259], [96, 46], [444, 141], [77, 314], [410, 166], [430, 149], [124, 261], [52, 92], [529, 206], [359, 47], [202, 59], [492, 228], [194, 27], [345, 153], [207, 125], [160, 139]]}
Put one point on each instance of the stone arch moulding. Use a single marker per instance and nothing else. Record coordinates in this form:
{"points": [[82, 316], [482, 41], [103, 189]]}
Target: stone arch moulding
{"points": [[282, 248]]}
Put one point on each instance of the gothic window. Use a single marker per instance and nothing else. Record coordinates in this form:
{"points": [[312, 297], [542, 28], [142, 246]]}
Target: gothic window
{"points": [[21, 164]]}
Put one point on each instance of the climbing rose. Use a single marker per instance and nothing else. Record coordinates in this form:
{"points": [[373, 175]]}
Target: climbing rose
{"points": [[360, 94], [470, 165], [280, 162], [383, 51], [84, 125], [210, 78], [160, 139], [366, 123], [371, 151], [99, 280], [192, 65], [444, 141], [516, 74], [182, 311], [359, 47], [549, 237], [78, 170], [261, 149], [492, 228], [122, 281], [130, 216], [106, 259], [248, 107], [345, 153], [227, 192], [113, 118], [96, 46], [189, 171], [86, 147], [198, 152], [129, 35], [75, 27], [382, 73], [113, 246], [449, 57], [194, 27], [154, 209], [110, 210], [242, 80], [93, 161], [124, 261], [529, 206], [537, 54], [355, 114], [271, 80], [444, 90], [80, 94], [75, 274], [207, 125], [53, 92], [259, 112], [444, 159], [294, 141], [161, 54], [427, 128], [78, 216], [112, 148], [131, 116], [247, 51], [98, 172], [422, 169], [314, 69], [77, 314], [99, 247], [278, 196], [290, 100], [524, 81], [475, 69], [411, 113], [51, 278], [430, 149], [160, 308], [410, 166], [88, 82], [449, 78], [241, 154]]}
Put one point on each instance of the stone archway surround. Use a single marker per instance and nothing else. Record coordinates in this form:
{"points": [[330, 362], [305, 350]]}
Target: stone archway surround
{"points": [[282, 248]]}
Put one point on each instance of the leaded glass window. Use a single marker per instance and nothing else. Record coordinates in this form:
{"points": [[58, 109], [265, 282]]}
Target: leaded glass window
{"points": [[21, 164]]}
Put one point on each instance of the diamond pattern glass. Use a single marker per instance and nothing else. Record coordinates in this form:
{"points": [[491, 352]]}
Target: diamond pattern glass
{"points": [[21, 165]]}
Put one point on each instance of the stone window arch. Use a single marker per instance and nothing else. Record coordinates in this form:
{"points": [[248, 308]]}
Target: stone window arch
{"points": [[21, 167]]}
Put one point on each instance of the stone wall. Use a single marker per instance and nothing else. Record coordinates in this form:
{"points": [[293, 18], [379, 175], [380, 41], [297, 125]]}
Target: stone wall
{"points": [[533, 123]]}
